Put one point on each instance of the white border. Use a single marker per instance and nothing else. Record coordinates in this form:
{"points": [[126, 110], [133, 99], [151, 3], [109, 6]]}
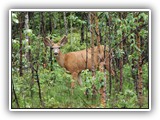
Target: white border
{"points": [[10, 11]]}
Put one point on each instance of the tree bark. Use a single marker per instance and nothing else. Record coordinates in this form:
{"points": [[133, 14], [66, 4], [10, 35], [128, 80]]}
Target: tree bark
{"points": [[92, 42], [98, 36], [140, 80], [50, 21], [43, 33], [82, 28], [26, 26], [87, 90], [42, 25], [20, 34], [109, 42], [15, 95], [65, 23], [87, 44], [71, 23], [121, 62], [121, 68], [91, 16], [103, 98]]}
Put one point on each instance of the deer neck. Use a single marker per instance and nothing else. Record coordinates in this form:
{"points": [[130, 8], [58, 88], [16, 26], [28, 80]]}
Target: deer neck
{"points": [[60, 59]]}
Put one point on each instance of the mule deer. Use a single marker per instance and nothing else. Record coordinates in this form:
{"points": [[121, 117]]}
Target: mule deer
{"points": [[74, 62]]}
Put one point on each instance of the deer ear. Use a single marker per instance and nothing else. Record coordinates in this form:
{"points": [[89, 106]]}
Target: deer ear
{"points": [[63, 41], [47, 42]]}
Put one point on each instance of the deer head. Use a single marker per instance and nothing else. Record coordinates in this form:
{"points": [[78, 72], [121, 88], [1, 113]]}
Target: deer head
{"points": [[55, 46]]}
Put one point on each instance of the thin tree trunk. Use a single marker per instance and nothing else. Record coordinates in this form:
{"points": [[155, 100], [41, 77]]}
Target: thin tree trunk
{"points": [[82, 28], [38, 80], [26, 26], [44, 35], [87, 45], [140, 80], [91, 16], [102, 67], [39, 88], [121, 59], [60, 24], [32, 82], [71, 28], [28, 54], [121, 69], [98, 36], [42, 24], [109, 42], [50, 21], [82, 33], [20, 32], [87, 90], [51, 61], [92, 43], [15, 95], [65, 23], [103, 86]]}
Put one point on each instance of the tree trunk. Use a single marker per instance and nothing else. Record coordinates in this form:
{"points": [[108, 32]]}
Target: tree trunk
{"points": [[102, 67], [42, 24], [82, 28], [65, 23], [121, 59], [103, 98], [86, 45], [60, 24], [87, 90], [26, 26], [36, 69], [121, 68], [98, 36], [71, 23], [44, 35], [54, 21], [109, 42], [92, 42], [51, 61], [91, 16], [15, 95], [20, 32], [50, 21], [140, 80]]}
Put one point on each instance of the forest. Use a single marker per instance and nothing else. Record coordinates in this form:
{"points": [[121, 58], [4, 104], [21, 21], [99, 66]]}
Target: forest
{"points": [[77, 59]]}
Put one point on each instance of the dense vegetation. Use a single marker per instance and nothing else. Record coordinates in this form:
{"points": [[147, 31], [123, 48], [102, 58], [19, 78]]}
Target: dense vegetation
{"points": [[39, 82]]}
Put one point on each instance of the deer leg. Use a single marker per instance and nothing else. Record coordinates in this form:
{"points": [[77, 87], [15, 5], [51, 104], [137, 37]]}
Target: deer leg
{"points": [[75, 77], [79, 80]]}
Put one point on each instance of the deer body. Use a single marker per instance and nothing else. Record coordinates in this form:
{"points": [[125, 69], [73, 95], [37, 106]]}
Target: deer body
{"points": [[75, 62]]}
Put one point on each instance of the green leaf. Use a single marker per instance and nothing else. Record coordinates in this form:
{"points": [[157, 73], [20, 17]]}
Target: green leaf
{"points": [[14, 18]]}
